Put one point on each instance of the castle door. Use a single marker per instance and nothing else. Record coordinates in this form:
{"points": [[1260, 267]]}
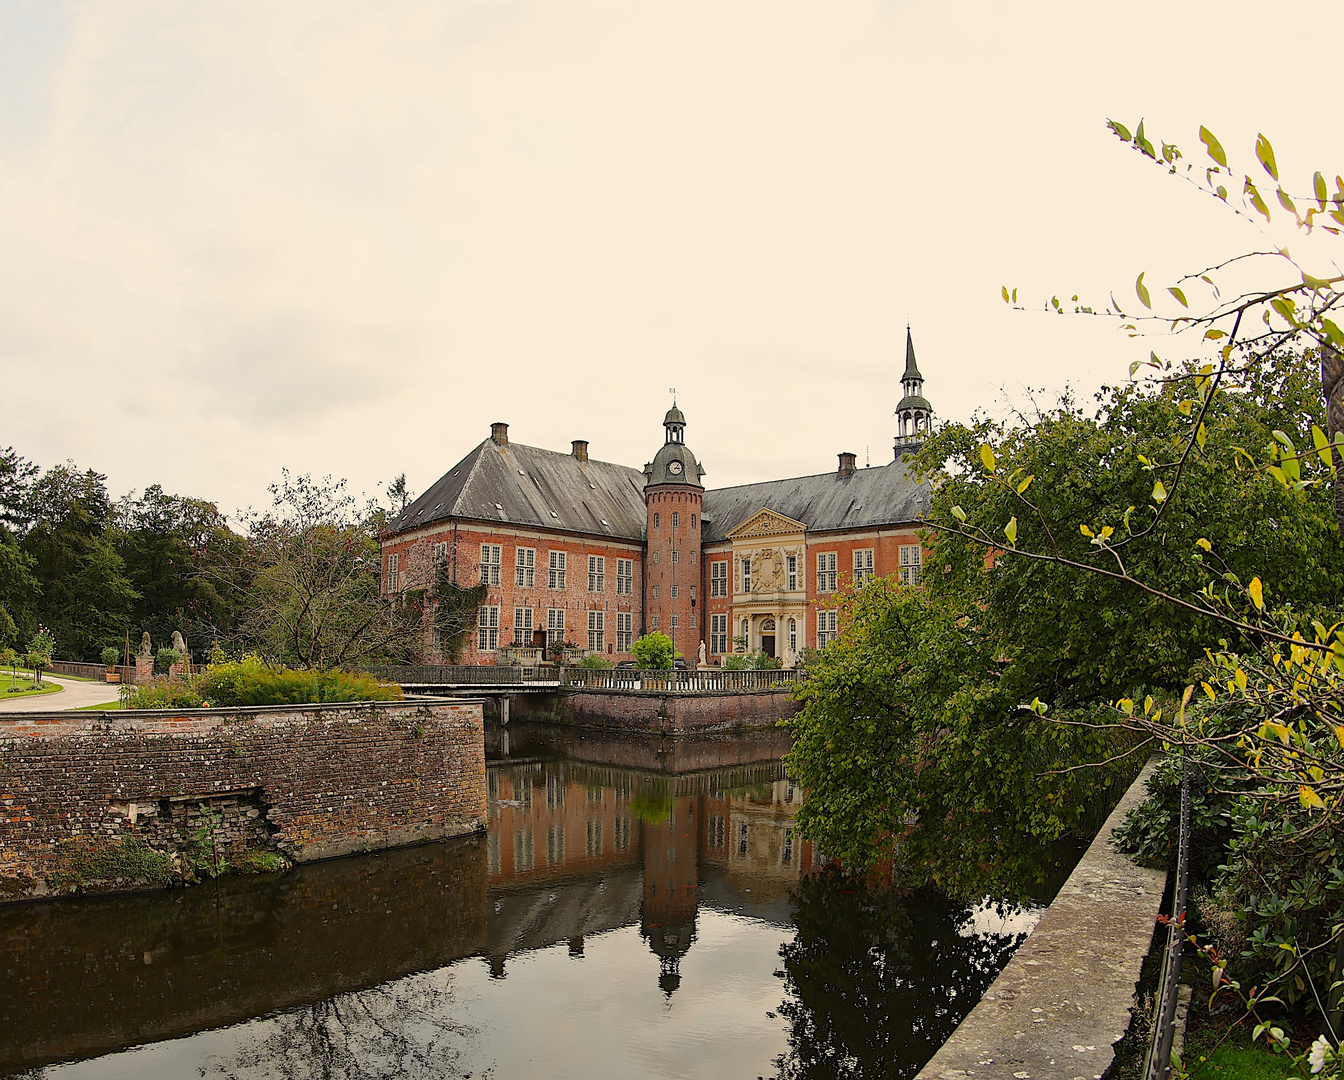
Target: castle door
{"points": [[768, 637]]}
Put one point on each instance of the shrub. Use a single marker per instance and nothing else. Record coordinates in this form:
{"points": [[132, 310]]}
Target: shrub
{"points": [[161, 693], [110, 655], [735, 662], [595, 662], [250, 681], [166, 659], [655, 652]]}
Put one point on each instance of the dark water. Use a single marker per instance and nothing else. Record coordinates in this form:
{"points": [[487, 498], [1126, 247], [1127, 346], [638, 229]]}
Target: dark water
{"points": [[639, 909]]}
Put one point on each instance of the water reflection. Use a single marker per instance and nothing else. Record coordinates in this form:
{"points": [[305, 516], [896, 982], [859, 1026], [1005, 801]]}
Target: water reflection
{"points": [[639, 907]]}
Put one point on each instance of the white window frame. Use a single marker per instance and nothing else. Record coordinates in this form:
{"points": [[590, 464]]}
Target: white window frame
{"points": [[791, 572], [487, 628], [863, 565], [625, 629], [676, 519], [440, 553], [718, 634], [827, 627], [826, 573], [793, 637], [491, 554], [676, 622], [555, 626], [912, 564], [597, 573], [392, 561], [525, 568], [597, 631], [746, 573], [625, 577], [676, 591], [676, 555], [655, 592], [557, 568], [522, 626], [653, 621], [718, 579]]}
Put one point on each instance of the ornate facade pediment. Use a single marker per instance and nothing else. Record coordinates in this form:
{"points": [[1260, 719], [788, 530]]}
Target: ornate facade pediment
{"points": [[765, 523]]}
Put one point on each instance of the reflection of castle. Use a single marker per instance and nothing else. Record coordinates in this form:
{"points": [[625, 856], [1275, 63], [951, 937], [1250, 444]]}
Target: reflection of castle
{"points": [[590, 836]]}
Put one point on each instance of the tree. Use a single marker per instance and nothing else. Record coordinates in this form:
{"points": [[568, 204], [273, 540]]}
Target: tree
{"points": [[175, 551], [654, 651], [313, 569], [85, 597]]}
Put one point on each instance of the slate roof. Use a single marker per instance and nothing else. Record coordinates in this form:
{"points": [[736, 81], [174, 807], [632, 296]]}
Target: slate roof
{"points": [[525, 485], [885, 495]]}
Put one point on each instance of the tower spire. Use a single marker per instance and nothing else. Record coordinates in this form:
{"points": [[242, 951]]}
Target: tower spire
{"points": [[914, 415]]}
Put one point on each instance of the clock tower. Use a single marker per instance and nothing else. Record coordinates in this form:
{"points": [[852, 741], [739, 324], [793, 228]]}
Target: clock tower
{"points": [[673, 496]]}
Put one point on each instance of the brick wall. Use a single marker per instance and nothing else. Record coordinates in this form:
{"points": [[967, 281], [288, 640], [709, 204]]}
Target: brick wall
{"points": [[415, 555], [671, 714], [310, 782]]}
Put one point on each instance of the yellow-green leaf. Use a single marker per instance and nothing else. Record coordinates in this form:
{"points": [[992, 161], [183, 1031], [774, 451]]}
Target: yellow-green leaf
{"points": [[987, 457], [1180, 296], [1010, 531], [1285, 201], [1142, 290], [1265, 153], [1339, 734], [1209, 690], [1025, 484], [1310, 800], [959, 513], [1159, 492], [1005, 294], [1201, 542], [1321, 191], [1257, 594], [1201, 436], [1214, 147], [1254, 197], [1086, 530]]}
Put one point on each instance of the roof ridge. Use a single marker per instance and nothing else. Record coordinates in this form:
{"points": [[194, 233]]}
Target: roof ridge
{"points": [[476, 455]]}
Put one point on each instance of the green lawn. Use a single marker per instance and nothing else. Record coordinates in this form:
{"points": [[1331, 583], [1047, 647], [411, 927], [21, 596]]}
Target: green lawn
{"points": [[104, 705], [1235, 1059], [27, 689]]}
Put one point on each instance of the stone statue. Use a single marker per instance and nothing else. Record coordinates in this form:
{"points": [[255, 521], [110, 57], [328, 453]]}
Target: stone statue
{"points": [[179, 646], [703, 661], [145, 648]]}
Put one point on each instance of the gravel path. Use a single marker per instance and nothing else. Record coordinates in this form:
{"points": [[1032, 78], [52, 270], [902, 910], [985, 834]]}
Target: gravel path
{"points": [[72, 696]]}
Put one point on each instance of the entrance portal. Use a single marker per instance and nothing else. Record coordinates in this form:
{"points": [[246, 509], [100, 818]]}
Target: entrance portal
{"points": [[768, 637]]}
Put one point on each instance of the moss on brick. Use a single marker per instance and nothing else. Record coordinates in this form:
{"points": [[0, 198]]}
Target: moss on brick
{"points": [[124, 863]]}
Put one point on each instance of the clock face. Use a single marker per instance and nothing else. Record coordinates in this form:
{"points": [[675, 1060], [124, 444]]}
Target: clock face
{"points": [[674, 468]]}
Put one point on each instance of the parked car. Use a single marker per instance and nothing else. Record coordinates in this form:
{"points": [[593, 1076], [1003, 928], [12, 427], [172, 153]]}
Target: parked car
{"points": [[626, 665]]}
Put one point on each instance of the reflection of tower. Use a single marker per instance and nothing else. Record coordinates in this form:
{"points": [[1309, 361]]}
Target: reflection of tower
{"points": [[672, 497], [671, 878]]}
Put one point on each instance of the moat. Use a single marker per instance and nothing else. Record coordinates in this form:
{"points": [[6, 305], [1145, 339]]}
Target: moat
{"points": [[639, 908]]}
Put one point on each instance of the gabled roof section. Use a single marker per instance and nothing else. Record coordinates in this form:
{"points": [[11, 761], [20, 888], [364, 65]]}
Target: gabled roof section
{"points": [[765, 522], [887, 495], [525, 485]]}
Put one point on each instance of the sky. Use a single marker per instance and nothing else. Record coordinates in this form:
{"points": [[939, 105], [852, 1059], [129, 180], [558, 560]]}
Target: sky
{"points": [[345, 237]]}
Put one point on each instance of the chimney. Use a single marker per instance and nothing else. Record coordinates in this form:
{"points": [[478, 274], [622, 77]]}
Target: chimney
{"points": [[580, 449], [846, 469], [500, 433]]}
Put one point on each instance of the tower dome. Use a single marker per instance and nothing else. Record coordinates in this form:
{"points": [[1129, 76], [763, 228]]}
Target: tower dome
{"points": [[674, 463]]}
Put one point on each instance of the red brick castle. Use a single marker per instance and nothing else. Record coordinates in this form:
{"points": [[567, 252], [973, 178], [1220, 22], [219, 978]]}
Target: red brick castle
{"points": [[593, 554]]}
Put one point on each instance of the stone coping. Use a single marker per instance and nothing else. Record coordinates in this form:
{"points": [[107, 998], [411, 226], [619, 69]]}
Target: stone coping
{"points": [[1064, 999], [236, 710]]}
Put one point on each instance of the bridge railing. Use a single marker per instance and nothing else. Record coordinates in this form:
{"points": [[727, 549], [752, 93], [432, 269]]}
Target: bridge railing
{"points": [[677, 682], [673, 682], [464, 674]]}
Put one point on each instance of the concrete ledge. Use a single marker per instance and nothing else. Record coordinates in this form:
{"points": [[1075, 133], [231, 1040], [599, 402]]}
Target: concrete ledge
{"points": [[1064, 999]]}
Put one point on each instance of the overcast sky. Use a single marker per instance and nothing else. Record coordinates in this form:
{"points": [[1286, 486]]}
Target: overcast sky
{"points": [[344, 237]]}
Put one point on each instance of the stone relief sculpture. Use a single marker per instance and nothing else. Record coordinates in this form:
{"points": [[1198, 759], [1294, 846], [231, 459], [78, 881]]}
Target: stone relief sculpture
{"points": [[768, 571]]}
